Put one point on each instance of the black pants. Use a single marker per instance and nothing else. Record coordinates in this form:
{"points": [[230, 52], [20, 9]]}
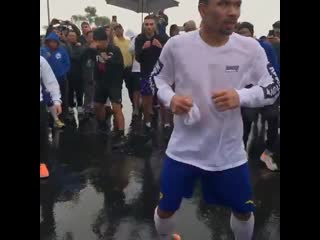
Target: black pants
{"points": [[63, 83], [88, 88], [44, 145], [271, 115], [249, 115], [75, 88]]}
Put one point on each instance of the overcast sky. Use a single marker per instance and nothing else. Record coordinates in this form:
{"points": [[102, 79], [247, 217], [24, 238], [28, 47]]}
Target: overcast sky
{"points": [[262, 13]]}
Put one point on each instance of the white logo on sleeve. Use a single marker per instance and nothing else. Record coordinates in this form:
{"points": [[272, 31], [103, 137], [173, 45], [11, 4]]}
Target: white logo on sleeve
{"points": [[58, 56]]}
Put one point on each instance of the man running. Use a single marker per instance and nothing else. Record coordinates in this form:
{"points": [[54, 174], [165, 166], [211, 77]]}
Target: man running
{"points": [[210, 69], [48, 80]]}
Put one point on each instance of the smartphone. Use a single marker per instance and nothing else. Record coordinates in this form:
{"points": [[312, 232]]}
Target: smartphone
{"points": [[114, 19]]}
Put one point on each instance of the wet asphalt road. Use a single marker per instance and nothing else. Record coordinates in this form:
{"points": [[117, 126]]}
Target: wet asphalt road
{"points": [[96, 193]]}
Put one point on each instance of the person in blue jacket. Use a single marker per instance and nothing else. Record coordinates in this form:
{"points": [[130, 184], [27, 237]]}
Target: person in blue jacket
{"points": [[247, 29], [59, 60], [269, 113]]}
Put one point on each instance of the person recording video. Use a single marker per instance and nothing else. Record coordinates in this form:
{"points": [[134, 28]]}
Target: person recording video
{"points": [[62, 27]]}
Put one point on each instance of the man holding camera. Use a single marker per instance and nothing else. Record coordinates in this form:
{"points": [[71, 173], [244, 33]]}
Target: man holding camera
{"points": [[61, 28]]}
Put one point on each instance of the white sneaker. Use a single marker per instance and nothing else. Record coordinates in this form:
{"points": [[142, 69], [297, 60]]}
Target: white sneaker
{"points": [[266, 157], [50, 138]]}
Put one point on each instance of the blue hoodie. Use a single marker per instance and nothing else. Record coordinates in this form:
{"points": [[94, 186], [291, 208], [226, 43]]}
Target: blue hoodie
{"points": [[59, 59], [271, 55]]}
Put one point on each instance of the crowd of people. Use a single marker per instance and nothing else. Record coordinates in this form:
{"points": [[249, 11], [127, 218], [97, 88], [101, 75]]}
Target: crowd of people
{"points": [[90, 67], [82, 72]]}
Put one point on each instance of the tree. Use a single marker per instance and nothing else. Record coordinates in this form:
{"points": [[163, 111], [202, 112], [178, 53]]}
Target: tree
{"points": [[91, 17], [78, 18], [101, 21], [91, 13]]}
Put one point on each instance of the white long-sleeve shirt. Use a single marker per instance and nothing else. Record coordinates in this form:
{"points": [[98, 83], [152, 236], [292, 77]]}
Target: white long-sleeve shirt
{"points": [[197, 69], [135, 66], [49, 81]]}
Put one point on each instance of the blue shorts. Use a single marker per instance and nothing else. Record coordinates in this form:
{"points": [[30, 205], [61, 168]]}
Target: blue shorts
{"points": [[145, 87], [230, 188]]}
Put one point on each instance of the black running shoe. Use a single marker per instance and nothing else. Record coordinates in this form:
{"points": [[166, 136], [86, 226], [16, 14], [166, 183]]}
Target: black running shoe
{"points": [[119, 141], [102, 127]]}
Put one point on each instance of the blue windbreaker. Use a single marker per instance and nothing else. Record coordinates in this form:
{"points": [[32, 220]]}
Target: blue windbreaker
{"points": [[59, 59], [271, 55]]}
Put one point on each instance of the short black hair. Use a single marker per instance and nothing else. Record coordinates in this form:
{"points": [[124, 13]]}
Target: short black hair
{"points": [[84, 23], [276, 24], [246, 25], [173, 27], [54, 21], [100, 34], [71, 31], [204, 1], [271, 33]]}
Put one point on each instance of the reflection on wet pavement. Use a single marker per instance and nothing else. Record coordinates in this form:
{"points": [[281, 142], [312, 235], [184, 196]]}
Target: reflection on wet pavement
{"points": [[96, 193]]}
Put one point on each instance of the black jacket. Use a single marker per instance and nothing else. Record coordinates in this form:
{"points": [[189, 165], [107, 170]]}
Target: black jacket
{"points": [[87, 66], [107, 72], [148, 57], [75, 53], [83, 40]]}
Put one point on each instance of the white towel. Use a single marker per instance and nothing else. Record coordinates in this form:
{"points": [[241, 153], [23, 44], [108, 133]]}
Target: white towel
{"points": [[193, 116]]}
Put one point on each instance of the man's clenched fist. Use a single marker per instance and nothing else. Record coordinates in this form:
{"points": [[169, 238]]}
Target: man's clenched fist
{"points": [[226, 99], [181, 104], [147, 44]]}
